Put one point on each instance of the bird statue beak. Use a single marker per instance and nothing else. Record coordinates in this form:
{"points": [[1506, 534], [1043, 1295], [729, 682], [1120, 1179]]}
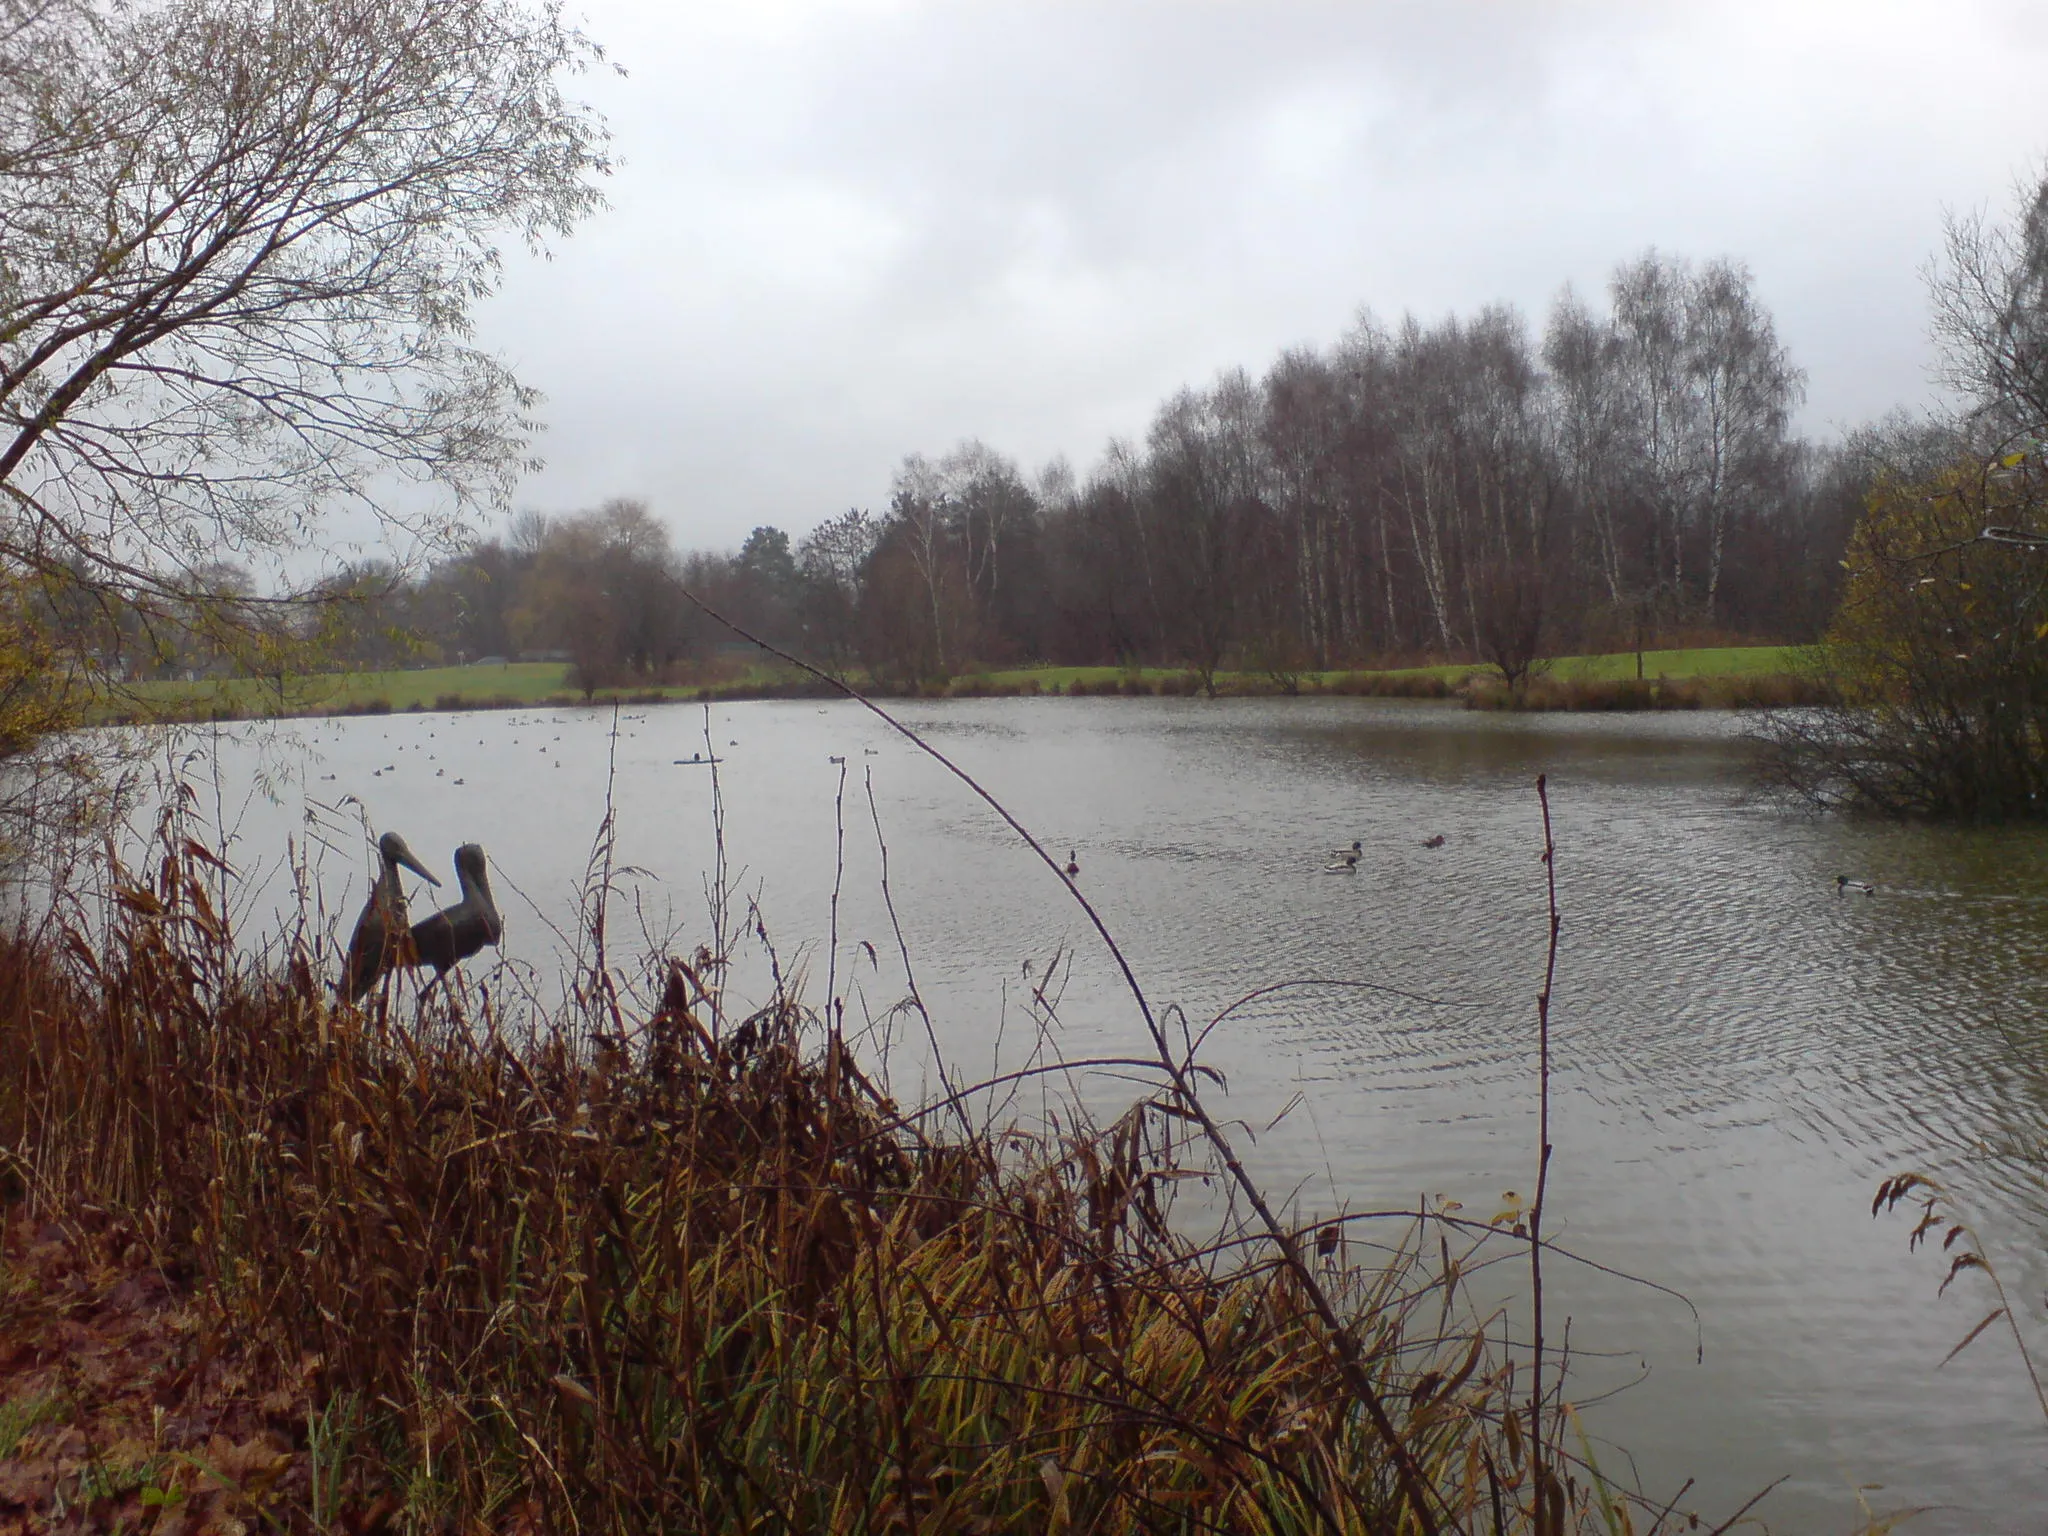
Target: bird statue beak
{"points": [[405, 857]]}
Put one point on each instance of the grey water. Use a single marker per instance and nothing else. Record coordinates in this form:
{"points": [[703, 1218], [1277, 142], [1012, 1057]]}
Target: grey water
{"points": [[1741, 1053]]}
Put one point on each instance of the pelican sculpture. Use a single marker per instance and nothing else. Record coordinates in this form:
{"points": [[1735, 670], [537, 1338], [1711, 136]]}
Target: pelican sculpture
{"points": [[457, 932], [381, 931]]}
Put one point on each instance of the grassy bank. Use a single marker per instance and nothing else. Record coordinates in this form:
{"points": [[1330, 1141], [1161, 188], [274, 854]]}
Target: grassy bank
{"points": [[270, 1262], [1710, 677]]}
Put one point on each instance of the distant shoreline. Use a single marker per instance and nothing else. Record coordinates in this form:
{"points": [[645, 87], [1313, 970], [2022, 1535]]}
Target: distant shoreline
{"points": [[1727, 677]]}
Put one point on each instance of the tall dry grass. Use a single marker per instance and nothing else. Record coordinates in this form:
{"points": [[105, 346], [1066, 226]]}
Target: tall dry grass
{"points": [[619, 1266]]}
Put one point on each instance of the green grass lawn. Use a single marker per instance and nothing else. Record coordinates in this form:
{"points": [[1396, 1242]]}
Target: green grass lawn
{"points": [[526, 681], [537, 682], [522, 682], [1714, 661], [1708, 661]]}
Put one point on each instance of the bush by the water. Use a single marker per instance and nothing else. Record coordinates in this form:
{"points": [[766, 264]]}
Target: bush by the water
{"points": [[647, 1267], [1938, 659]]}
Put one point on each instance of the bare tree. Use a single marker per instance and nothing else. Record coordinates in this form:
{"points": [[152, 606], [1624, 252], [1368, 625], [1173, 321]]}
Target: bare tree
{"points": [[1709, 393], [1511, 623], [240, 242], [831, 566]]}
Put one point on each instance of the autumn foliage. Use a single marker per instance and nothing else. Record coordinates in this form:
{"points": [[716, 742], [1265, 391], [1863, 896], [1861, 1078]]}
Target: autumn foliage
{"points": [[275, 1263], [1938, 655]]}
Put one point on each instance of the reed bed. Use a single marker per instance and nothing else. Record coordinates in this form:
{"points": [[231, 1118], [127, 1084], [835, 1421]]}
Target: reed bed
{"points": [[470, 1263], [1734, 691]]}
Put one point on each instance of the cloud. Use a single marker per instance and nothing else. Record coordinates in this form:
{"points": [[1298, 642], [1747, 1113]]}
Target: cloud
{"points": [[849, 231]]}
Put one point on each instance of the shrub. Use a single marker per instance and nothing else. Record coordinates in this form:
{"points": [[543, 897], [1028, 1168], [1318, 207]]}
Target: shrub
{"points": [[1390, 685], [1935, 672]]}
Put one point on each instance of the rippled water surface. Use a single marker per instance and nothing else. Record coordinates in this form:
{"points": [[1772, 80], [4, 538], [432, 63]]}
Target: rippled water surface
{"points": [[1741, 1053]]}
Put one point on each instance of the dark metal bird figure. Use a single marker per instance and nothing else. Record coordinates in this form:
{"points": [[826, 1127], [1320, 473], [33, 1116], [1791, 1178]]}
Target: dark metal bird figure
{"points": [[380, 934], [457, 932]]}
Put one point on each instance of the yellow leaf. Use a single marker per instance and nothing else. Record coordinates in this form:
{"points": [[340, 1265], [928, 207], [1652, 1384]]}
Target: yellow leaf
{"points": [[2012, 460]]}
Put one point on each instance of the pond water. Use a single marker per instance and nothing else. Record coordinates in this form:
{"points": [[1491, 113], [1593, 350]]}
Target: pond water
{"points": [[1741, 1052]]}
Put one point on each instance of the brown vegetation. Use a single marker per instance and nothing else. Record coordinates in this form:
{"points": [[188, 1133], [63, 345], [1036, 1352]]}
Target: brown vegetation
{"points": [[1737, 691], [277, 1261]]}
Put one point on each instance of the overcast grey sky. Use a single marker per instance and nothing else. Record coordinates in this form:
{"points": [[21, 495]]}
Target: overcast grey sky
{"points": [[847, 230]]}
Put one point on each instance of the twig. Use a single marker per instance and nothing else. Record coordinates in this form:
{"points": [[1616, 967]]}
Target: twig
{"points": [[1536, 1441], [1415, 1488], [718, 891], [832, 1009], [931, 1035]]}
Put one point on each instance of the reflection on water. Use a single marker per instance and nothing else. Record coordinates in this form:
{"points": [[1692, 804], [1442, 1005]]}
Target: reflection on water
{"points": [[1742, 1053]]}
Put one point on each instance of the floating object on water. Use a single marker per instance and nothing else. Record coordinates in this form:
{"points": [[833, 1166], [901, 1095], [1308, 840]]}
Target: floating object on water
{"points": [[1346, 865], [1844, 885], [455, 933], [381, 932], [1435, 842]]}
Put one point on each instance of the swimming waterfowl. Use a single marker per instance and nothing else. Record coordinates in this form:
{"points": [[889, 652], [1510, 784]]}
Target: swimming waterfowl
{"points": [[1355, 851], [457, 932], [1344, 864], [1434, 842], [381, 932], [1844, 885]]}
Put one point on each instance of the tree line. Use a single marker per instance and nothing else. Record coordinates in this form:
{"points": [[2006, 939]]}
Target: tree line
{"points": [[1463, 488]]}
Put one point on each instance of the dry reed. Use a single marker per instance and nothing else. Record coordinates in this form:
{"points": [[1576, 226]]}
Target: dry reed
{"points": [[625, 1269]]}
